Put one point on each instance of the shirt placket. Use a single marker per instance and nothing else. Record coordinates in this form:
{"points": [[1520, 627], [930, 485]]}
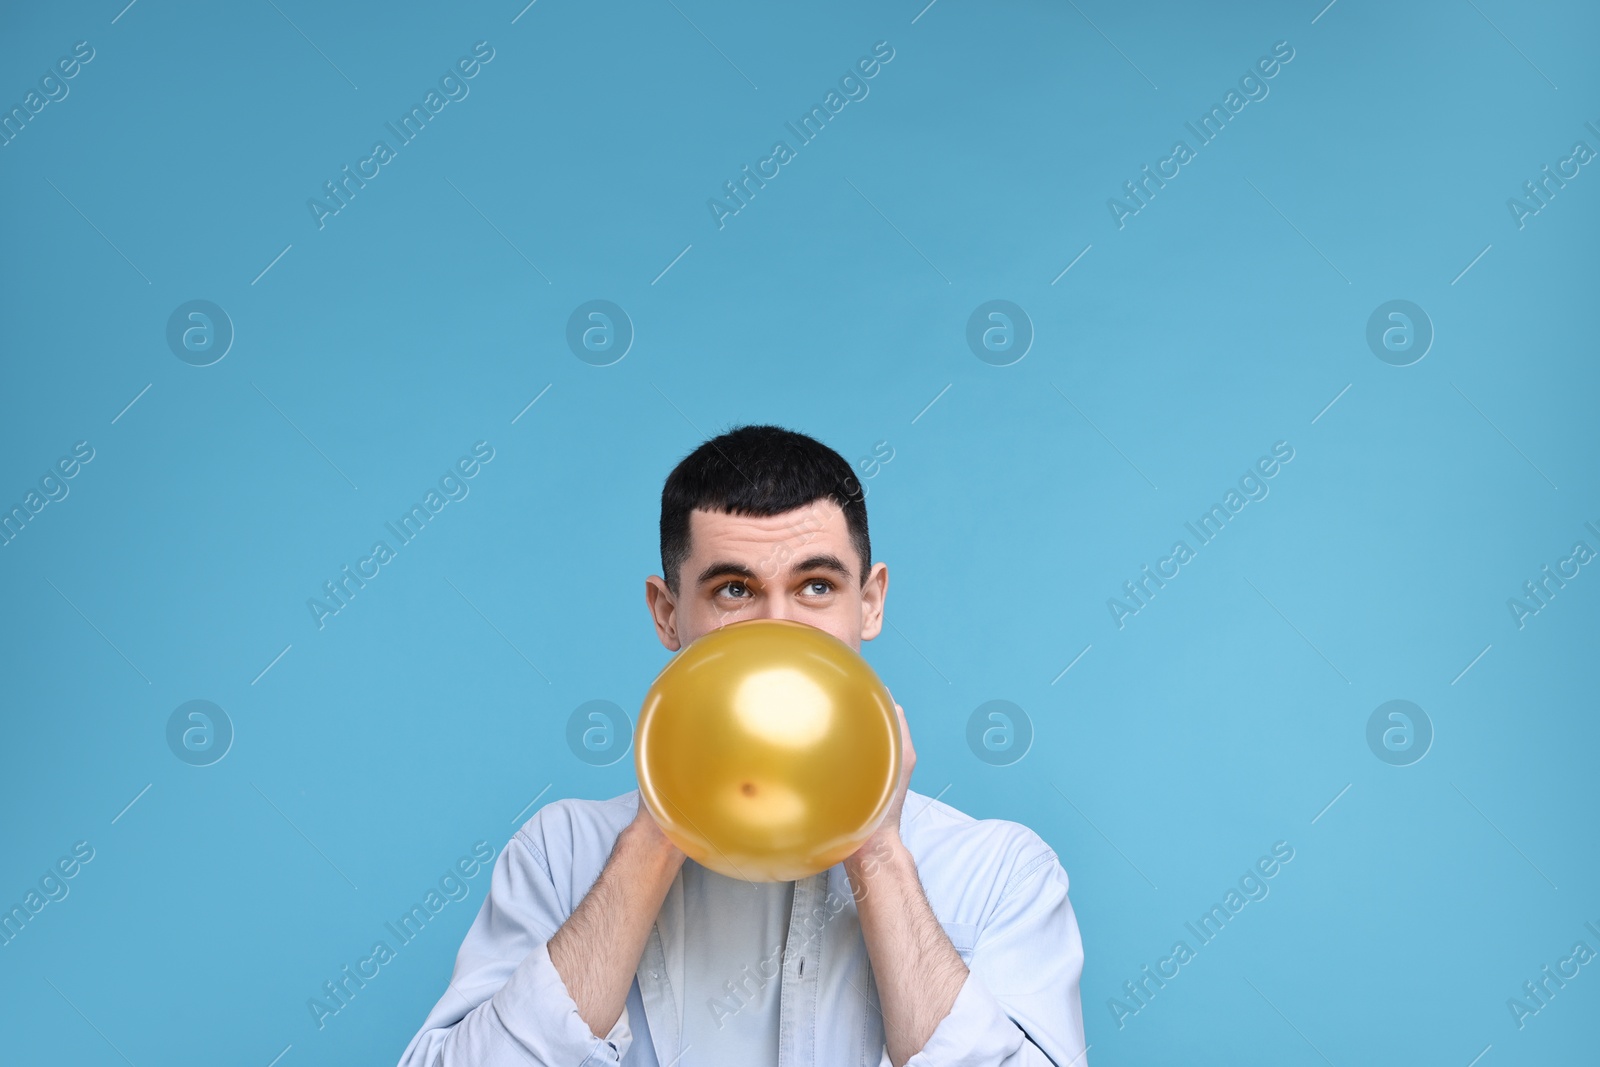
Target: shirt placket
{"points": [[802, 973], [660, 976]]}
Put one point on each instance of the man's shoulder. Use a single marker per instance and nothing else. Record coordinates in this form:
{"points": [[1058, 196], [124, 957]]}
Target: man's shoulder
{"points": [[571, 824], [947, 841], [617, 810]]}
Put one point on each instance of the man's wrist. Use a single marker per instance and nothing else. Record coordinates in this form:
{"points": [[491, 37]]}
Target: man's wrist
{"points": [[883, 851], [647, 845]]}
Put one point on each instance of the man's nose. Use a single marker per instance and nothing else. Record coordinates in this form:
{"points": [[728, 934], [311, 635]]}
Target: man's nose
{"points": [[770, 604], [771, 608]]}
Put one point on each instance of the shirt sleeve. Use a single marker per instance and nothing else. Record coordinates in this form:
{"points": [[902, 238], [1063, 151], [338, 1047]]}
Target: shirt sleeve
{"points": [[1020, 1004], [506, 1003]]}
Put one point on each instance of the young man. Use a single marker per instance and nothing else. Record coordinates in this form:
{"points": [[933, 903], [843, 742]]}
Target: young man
{"points": [[943, 941]]}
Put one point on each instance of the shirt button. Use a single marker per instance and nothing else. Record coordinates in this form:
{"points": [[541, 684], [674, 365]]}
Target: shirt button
{"points": [[653, 974]]}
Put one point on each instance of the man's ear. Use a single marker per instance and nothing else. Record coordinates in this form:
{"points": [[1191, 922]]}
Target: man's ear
{"points": [[663, 608], [873, 595]]}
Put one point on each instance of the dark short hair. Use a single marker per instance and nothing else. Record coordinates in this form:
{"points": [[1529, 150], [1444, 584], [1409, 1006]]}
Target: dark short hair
{"points": [[757, 470]]}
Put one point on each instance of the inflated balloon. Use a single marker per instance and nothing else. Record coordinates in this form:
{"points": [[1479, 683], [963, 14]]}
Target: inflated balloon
{"points": [[768, 750]]}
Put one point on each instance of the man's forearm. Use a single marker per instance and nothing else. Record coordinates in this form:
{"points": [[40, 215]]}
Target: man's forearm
{"points": [[597, 949], [917, 970]]}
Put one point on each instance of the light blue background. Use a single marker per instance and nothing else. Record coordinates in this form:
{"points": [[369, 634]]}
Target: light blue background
{"points": [[1224, 317]]}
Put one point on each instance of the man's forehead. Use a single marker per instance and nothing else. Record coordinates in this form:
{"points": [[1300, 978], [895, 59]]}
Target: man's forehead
{"points": [[819, 520]]}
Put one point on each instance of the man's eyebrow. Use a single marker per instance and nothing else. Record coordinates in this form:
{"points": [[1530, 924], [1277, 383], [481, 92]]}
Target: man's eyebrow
{"points": [[825, 561], [724, 569], [728, 569]]}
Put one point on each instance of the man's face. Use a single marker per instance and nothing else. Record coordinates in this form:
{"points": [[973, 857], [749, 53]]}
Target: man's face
{"points": [[798, 566]]}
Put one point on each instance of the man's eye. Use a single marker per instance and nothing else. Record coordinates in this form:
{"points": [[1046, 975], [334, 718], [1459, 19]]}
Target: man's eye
{"points": [[827, 586], [733, 585]]}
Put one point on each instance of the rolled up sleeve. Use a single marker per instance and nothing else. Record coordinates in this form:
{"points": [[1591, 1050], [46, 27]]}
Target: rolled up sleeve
{"points": [[1020, 1004], [506, 1004]]}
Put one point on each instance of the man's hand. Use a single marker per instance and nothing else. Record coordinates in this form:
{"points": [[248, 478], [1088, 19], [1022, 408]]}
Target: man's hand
{"points": [[880, 845]]}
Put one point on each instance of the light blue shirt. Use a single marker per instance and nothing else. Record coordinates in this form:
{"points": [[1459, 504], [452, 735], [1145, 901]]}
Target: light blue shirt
{"points": [[741, 929], [996, 888]]}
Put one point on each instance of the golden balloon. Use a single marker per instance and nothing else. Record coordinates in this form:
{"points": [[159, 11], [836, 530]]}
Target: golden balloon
{"points": [[768, 750]]}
